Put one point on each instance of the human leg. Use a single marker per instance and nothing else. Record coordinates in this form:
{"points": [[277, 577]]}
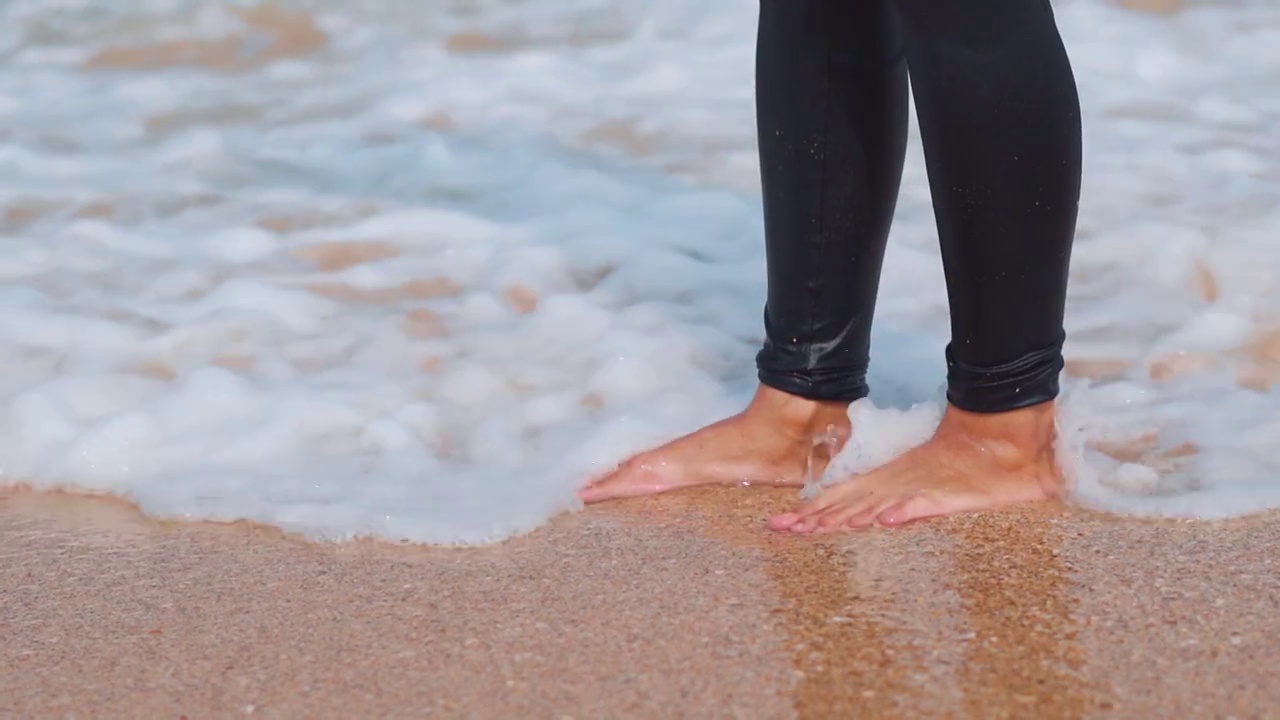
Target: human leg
{"points": [[831, 99], [832, 125], [1000, 122]]}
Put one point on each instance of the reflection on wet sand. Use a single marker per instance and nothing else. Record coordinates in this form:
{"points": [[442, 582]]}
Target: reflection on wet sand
{"points": [[843, 663], [1024, 657], [966, 617], [840, 629]]}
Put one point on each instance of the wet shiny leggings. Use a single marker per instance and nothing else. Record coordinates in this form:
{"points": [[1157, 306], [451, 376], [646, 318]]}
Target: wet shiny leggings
{"points": [[999, 117]]}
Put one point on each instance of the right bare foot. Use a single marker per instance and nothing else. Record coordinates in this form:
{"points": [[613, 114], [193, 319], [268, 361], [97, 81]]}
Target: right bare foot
{"points": [[768, 443]]}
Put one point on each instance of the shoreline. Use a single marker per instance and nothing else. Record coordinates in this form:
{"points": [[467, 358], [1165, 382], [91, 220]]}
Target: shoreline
{"points": [[104, 503]]}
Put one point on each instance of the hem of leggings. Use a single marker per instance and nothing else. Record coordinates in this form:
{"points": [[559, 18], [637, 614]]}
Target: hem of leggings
{"points": [[990, 404], [843, 387], [1030, 380]]}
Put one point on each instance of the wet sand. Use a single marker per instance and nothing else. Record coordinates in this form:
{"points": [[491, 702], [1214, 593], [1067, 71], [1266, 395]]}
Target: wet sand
{"points": [[682, 606]]}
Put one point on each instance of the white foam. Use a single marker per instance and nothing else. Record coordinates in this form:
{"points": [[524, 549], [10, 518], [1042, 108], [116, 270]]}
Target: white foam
{"points": [[176, 351], [878, 436]]}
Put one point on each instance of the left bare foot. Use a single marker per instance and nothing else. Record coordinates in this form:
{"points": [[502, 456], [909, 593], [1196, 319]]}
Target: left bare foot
{"points": [[973, 462]]}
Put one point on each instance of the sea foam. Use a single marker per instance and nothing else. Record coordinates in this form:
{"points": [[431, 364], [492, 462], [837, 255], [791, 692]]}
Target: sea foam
{"points": [[418, 273]]}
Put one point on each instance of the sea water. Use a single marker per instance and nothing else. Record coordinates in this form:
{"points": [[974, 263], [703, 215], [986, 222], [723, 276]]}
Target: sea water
{"points": [[418, 270]]}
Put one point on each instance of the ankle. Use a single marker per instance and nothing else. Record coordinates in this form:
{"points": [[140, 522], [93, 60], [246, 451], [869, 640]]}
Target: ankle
{"points": [[795, 415], [1014, 437]]}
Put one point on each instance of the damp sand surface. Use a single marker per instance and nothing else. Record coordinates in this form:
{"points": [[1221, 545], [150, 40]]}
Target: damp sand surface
{"points": [[677, 606]]}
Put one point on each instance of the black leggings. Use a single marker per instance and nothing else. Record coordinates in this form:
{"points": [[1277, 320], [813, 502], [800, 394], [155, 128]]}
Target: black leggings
{"points": [[999, 117]]}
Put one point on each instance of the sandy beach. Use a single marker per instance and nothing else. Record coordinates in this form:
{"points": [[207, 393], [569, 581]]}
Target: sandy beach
{"points": [[413, 269], [679, 606]]}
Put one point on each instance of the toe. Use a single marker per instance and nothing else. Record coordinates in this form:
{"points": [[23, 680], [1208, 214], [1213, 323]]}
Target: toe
{"points": [[801, 520], [864, 518], [597, 491], [601, 477], [831, 519], [598, 487], [630, 480], [785, 521], [837, 517], [805, 518], [910, 509], [806, 524], [872, 513]]}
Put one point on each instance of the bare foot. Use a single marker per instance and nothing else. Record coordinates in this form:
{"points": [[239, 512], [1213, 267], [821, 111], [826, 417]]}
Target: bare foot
{"points": [[768, 443], [972, 462]]}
